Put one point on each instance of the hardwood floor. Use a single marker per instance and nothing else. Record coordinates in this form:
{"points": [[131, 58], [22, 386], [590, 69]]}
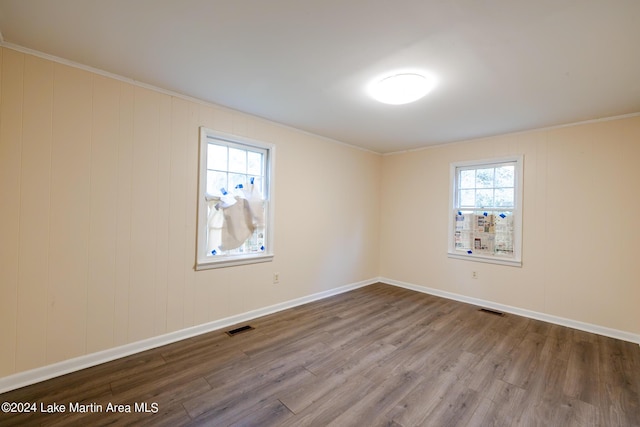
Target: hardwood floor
{"points": [[378, 355]]}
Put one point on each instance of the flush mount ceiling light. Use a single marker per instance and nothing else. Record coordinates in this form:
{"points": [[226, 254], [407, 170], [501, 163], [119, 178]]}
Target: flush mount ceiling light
{"points": [[401, 88]]}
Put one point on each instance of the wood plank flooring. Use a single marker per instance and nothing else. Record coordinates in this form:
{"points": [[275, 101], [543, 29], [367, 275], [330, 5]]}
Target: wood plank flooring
{"points": [[376, 356]]}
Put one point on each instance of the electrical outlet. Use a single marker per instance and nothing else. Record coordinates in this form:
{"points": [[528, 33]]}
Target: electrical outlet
{"points": [[276, 278], [474, 274]]}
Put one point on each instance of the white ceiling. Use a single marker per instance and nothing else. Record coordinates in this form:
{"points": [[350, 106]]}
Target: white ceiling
{"points": [[502, 65]]}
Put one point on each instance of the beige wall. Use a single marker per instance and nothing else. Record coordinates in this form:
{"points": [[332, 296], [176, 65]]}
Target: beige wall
{"points": [[581, 223], [98, 214]]}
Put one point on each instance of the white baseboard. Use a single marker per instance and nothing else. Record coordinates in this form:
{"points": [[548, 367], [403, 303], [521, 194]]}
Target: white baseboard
{"points": [[575, 324], [33, 376]]}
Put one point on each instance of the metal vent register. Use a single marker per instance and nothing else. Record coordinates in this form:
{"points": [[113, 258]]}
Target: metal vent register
{"points": [[239, 330], [494, 312]]}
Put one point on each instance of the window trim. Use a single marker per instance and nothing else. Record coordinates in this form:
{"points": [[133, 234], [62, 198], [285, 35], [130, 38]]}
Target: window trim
{"points": [[204, 262], [516, 261]]}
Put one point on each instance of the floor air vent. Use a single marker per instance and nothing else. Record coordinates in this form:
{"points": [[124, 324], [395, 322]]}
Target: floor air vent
{"points": [[494, 312], [239, 330]]}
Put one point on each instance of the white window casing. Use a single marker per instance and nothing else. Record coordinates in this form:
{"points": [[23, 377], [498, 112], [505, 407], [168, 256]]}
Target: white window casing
{"points": [[235, 201]]}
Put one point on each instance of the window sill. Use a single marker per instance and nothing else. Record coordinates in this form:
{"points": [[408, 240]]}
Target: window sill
{"points": [[486, 259], [208, 263]]}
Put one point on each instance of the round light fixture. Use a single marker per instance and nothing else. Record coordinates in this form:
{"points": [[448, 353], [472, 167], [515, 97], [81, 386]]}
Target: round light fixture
{"points": [[401, 88]]}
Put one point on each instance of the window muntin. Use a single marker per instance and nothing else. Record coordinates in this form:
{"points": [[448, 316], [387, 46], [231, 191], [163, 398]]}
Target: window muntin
{"points": [[485, 221], [234, 171], [488, 187]]}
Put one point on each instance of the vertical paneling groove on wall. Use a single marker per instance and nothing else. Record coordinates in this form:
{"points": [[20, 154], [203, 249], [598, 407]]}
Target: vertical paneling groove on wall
{"points": [[10, 152], [103, 222], [191, 187], [144, 234], [124, 179], [70, 213], [630, 207], [35, 203], [162, 205], [177, 214], [538, 177]]}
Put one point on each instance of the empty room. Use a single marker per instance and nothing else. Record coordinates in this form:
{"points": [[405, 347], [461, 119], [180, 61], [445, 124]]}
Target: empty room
{"points": [[312, 213]]}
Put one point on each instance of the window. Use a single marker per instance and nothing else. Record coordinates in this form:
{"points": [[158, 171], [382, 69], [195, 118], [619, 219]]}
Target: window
{"points": [[485, 222], [235, 215]]}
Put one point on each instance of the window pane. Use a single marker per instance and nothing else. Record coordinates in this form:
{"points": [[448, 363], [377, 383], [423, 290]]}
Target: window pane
{"points": [[504, 197], [255, 163], [216, 181], [504, 176], [504, 233], [237, 160], [236, 179], [467, 198], [468, 179], [216, 157], [259, 183], [484, 198], [484, 178]]}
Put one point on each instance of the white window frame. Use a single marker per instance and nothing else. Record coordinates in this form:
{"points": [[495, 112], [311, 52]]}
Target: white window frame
{"points": [[516, 258], [203, 259]]}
